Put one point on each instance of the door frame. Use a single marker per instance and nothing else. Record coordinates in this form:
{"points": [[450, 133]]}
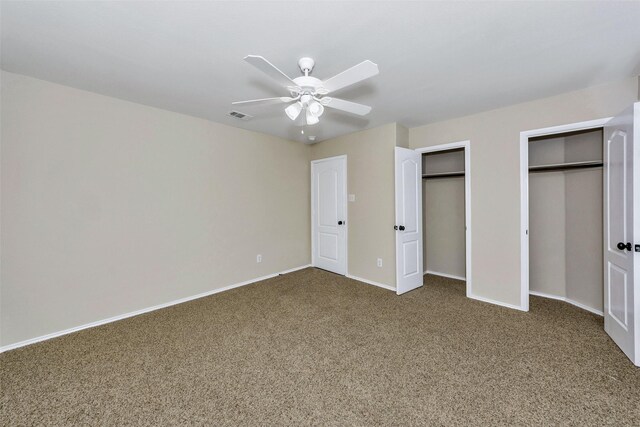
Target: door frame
{"points": [[466, 145], [346, 212], [524, 193]]}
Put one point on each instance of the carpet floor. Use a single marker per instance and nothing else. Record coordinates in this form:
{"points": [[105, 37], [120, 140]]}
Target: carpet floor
{"points": [[314, 348]]}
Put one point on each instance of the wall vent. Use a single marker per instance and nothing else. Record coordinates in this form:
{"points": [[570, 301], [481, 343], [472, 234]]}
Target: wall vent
{"points": [[239, 115]]}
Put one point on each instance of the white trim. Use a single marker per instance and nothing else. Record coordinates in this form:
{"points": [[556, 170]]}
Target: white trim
{"points": [[442, 147], [326, 159], [346, 210], [500, 303], [466, 144], [544, 295], [144, 310], [450, 276], [636, 226], [291, 270], [371, 282], [524, 194], [570, 301]]}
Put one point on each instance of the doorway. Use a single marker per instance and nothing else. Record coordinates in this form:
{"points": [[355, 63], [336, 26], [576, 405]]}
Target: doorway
{"points": [[565, 218], [620, 204], [329, 214], [525, 138], [446, 213]]}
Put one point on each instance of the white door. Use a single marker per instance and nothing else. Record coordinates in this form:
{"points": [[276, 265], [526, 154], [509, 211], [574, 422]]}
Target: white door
{"points": [[408, 220], [622, 231], [329, 214]]}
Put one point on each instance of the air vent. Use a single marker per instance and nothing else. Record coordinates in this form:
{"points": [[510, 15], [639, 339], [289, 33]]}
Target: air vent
{"points": [[239, 115]]}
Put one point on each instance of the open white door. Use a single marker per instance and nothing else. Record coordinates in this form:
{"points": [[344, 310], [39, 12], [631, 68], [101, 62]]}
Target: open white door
{"points": [[329, 214], [408, 220], [622, 231]]}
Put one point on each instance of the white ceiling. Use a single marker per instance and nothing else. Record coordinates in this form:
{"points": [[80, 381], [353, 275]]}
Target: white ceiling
{"points": [[437, 60]]}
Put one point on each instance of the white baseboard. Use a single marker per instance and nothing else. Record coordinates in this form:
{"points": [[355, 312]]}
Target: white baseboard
{"points": [[144, 310], [291, 270], [450, 276], [490, 301], [371, 282], [543, 295], [567, 300]]}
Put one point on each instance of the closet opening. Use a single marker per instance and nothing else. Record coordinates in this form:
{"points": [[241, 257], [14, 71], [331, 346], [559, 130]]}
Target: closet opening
{"points": [[565, 209], [446, 213]]}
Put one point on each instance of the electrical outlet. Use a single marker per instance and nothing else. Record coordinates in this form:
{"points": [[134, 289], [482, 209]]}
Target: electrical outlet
{"points": [[379, 262], [352, 197], [259, 258]]}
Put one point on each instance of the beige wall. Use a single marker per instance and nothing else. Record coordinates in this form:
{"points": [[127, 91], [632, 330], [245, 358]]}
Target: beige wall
{"points": [[402, 136], [547, 219], [585, 282], [495, 173], [584, 226], [547, 233], [443, 224], [370, 177], [110, 207]]}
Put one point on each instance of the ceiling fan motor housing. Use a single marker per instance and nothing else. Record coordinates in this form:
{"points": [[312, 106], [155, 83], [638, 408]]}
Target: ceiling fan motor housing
{"points": [[306, 64], [308, 83]]}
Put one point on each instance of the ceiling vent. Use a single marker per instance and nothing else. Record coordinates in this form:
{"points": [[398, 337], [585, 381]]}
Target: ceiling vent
{"points": [[239, 115]]}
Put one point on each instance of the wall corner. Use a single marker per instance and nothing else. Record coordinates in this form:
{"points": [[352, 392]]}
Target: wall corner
{"points": [[402, 136]]}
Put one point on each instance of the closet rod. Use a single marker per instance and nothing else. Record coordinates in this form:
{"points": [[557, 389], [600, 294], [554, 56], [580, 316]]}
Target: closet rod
{"points": [[565, 166], [442, 175]]}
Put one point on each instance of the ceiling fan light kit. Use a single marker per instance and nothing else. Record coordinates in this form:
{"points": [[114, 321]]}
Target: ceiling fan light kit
{"points": [[309, 93], [311, 119], [316, 108], [293, 110]]}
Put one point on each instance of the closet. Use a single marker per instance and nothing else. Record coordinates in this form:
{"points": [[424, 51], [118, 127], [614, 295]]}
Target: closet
{"points": [[443, 198], [565, 218]]}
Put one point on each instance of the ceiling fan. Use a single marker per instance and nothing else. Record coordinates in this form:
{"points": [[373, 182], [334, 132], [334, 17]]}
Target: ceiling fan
{"points": [[309, 93]]}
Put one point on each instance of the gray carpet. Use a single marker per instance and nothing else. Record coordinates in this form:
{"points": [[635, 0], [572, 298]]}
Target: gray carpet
{"points": [[314, 348]]}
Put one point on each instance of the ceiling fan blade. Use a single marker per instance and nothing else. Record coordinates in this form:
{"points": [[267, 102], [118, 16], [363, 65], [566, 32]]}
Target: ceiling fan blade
{"points": [[269, 69], [264, 101], [353, 75], [348, 106]]}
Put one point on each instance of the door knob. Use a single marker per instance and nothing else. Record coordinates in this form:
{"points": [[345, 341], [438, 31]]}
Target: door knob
{"points": [[340, 222], [401, 228], [623, 246]]}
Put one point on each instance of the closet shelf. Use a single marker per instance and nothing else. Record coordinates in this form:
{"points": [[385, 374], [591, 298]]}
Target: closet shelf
{"points": [[442, 175], [566, 166]]}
